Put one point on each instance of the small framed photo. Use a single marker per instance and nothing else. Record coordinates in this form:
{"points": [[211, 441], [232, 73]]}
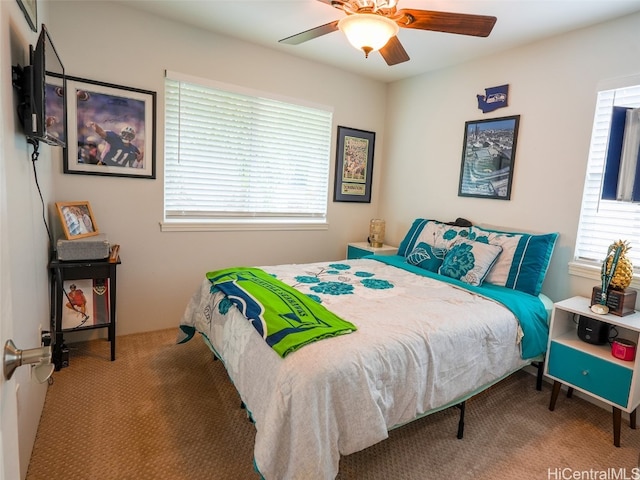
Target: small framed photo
{"points": [[488, 155], [111, 130], [77, 219], [354, 165], [30, 10]]}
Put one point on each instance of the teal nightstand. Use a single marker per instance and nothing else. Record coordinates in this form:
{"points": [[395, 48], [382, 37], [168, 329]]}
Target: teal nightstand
{"points": [[589, 368], [360, 249]]}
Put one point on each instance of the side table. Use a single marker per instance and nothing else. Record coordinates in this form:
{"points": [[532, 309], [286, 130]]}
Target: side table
{"points": [[64, 271]]}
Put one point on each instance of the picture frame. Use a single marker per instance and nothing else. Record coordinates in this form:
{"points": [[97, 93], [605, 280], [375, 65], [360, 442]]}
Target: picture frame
{"points": [[111, 130], [30, 10], [488, 157], [77, 219], [354, 165]]}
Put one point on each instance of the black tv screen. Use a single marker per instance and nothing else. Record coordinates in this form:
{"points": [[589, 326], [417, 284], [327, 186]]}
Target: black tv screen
{"points": [[43, 106]]}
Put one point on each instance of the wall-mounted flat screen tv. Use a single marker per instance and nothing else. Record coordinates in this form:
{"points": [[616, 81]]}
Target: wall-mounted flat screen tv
{"points": [[42, 86]]}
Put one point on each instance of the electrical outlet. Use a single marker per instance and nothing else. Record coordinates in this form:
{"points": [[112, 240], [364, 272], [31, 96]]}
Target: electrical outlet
{"points": [[45, 338]]}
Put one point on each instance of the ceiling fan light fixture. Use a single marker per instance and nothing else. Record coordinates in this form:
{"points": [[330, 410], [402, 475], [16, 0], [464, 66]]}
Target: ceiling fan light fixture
{"points": [[368, 32]]}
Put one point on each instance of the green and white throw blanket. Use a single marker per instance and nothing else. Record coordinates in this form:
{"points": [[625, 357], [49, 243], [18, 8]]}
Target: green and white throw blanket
{"points": [[285, 318]]}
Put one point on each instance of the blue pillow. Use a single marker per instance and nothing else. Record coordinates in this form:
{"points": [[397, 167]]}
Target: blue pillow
{"points": [[426, 257], [522, 265], [469, 261], [524, 261]]}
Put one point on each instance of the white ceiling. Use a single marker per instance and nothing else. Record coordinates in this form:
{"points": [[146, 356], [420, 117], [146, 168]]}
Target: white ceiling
{"points": [[264, 22]]}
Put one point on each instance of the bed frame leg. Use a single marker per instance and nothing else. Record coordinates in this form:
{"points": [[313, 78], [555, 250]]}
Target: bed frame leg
{"points": [[540, 366], [461, 406]]}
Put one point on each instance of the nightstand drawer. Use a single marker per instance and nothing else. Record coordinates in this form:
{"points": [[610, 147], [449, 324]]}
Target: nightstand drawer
{"points": [[600, 377], [361, 249], [355, 252]]}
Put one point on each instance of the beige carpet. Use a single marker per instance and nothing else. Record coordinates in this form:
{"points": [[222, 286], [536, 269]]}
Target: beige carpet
{"points": [[166, 411]]}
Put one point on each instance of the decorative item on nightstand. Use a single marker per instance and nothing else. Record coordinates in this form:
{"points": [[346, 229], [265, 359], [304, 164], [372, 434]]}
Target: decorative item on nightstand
{"points": [[623, 349], [614, 296], [376, 232], [593, 331]]}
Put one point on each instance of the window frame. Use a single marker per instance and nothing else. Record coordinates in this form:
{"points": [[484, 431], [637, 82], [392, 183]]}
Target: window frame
{"points": [[224, 221], [586, 267]]}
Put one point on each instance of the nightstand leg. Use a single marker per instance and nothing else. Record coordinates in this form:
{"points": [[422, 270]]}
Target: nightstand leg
{"points": [[632, 419], [554, 394], [617, 420]]}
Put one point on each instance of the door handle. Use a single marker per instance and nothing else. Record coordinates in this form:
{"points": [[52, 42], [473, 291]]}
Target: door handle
{"points": [[13, 358]]}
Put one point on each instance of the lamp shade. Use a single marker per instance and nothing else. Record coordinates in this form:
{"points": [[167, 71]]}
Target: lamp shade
{"points": [[367, 31], [376, 232]]}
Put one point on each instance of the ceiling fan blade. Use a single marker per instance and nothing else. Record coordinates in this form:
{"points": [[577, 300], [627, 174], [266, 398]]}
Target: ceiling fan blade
{"points": [[460, 23], [311, 33], [393, 52]]}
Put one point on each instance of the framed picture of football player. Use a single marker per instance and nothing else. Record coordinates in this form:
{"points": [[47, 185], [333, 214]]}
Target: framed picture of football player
{"points": [[111, 130]]}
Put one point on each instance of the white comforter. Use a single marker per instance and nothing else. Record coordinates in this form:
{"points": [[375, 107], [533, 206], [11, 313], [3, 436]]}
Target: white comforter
{"points": [[420, 344]]}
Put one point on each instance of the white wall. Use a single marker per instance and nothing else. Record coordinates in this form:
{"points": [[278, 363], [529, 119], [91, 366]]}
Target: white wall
{"points": [[552, 86], [160, 270], [25, 295]]}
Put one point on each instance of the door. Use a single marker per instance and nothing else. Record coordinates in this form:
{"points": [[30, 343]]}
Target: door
{"points": [[9, 456]]}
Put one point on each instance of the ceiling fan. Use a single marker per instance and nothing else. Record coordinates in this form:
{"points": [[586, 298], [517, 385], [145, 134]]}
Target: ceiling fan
{"points": [[372, 25]]}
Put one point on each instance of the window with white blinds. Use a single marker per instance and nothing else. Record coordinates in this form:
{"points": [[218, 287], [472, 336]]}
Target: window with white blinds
{"points": [[236, 156], [604, 221]]}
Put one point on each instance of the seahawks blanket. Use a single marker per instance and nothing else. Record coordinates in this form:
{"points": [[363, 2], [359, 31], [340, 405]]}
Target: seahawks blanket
{"points": [[285, 318]]}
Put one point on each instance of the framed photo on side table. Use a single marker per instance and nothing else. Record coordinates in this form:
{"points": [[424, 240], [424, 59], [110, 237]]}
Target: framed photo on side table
{"points": [[77, 219], [111, 130], [488, 155], [354, 165]]}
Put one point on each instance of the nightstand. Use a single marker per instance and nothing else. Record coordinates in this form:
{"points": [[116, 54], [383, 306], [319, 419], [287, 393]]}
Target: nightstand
{"points": [[360, 249], [104, 311], [589, 368]]}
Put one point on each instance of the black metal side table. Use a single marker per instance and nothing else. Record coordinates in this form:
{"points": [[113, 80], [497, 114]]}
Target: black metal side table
{"points": [[63, 271]]}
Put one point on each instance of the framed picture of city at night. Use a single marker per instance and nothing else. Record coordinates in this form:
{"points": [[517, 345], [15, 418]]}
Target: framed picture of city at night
{"points": [[488, 156]]}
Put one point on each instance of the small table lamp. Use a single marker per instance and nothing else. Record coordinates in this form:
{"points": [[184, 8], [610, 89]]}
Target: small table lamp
{"points": [[376, 232]]}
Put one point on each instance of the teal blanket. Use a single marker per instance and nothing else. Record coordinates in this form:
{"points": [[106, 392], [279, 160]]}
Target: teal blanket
{"points": [[286, 318], [528, 309]]}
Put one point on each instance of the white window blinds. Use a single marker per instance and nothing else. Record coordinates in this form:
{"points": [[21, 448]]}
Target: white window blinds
{"points": [[604, 221], [232, 156]]}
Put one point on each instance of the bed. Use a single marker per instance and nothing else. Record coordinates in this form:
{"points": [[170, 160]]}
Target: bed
{"points": [[420, 332]]}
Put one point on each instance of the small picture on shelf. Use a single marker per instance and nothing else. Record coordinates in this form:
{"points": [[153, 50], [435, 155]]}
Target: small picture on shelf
{"points": [[86, 303], [77, 219]]}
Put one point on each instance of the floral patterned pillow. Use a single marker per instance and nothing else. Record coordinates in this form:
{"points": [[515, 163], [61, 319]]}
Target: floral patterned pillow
{"points": [[426, 256], [522, 265], [469, 261]]}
